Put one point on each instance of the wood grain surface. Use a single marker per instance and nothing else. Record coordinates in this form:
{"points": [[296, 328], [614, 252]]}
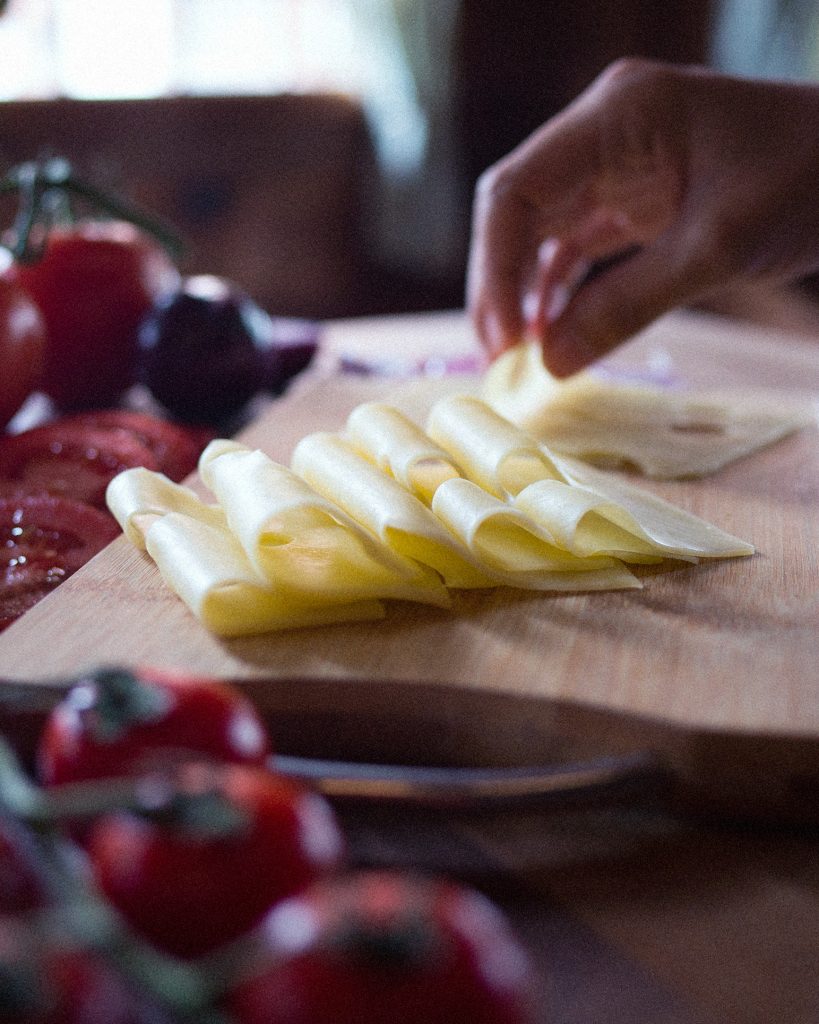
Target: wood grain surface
{"points": [[715, 663]]}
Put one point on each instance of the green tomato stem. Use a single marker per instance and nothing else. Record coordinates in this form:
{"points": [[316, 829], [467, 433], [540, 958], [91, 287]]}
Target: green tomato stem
{"points": [[119, 701], [38, 182]]}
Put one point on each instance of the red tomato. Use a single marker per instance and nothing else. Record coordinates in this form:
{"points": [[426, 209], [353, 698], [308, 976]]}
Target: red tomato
{"points": [[71, 461], [188, 886], [22, 884], [387, 949], [94, 283], [116, 722], [22, 348], [44, 539], [43, 983], [175, 448]]}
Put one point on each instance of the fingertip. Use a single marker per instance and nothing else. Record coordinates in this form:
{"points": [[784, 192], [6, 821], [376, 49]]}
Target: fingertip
{"points": [[494, 334], [612, 306], [566, 351]]}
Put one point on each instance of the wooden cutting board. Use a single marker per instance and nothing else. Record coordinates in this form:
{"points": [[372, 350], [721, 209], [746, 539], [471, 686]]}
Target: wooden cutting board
{"points": [[714, 666]]}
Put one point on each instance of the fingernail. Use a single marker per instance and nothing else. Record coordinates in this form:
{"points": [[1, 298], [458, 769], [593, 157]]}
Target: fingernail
{"points": [[579, 270], [546, 252], [531, 308], [494, 334], [557, 303]]}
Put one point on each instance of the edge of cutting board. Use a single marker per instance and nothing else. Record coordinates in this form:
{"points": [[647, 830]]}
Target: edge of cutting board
{"points": [[761, 776]]}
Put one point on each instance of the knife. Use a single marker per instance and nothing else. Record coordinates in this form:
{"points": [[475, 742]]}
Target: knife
{"points": [[601, 757], [631, 776]]}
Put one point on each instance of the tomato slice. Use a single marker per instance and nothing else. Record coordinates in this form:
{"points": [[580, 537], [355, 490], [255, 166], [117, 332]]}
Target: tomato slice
{"points": [[43, 540], [21, 589], [176, 448], [75, 462]]}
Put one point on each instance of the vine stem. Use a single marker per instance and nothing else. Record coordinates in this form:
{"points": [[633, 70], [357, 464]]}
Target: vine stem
{"points": [[82, 915], [35, 181]]}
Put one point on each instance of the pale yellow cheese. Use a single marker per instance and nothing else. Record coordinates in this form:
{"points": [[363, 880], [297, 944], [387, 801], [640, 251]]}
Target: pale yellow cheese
{"points": [[581, 521], [398, 446], [671, 530], [659, 431], [207, 568], [516, 549], [290, 533], [136, 497], [492, 451], [383, 507], [479, 437], [391, 512]]}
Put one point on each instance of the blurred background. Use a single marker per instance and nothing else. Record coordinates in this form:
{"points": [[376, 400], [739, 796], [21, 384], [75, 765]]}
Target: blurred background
{"points": [[323, 153]]}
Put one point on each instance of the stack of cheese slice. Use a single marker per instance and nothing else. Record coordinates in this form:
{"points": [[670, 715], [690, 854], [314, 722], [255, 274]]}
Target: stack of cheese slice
{"points": [[386, 510]]}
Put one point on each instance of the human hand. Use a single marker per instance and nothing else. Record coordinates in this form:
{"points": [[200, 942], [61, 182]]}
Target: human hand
{"points": [[670, 183]]}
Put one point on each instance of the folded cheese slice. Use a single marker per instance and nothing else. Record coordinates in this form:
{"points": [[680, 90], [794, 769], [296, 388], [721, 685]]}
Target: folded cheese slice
{"points": [[206, 566], [386, 509], [516, 549], [671, 530], [290, 532], [492, 452], [583, 522], [398, 446], [137, 497]]}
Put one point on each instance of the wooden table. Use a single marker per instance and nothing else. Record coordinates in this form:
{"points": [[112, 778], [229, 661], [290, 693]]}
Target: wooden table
{"points": [[633, 914]]}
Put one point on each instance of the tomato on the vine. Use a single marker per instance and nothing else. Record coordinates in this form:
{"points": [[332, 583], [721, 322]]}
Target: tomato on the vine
{"points": [[43, 981], [22, 347], [115, 722], [93, 283], [22, 883], [205, 869], [44, 539], [386, 948]]}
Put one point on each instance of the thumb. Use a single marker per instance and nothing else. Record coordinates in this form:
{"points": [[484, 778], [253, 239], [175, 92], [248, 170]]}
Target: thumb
{"points": [[617, 302]]}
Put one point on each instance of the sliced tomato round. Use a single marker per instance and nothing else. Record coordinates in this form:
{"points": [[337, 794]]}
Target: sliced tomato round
{"points": [[176, 448], [43, 540], [21, 589], [75, 462]]}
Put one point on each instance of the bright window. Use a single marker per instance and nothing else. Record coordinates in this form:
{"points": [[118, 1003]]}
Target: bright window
{"points": [[116, 49]]}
